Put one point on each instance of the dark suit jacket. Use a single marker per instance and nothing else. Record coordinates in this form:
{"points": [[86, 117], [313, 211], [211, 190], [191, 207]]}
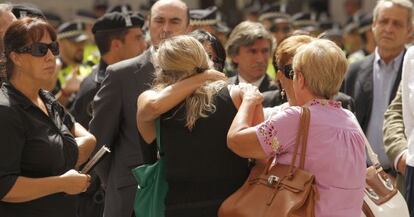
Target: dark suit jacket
{"points": [[114, 125], [359, 85], [266, 85]]}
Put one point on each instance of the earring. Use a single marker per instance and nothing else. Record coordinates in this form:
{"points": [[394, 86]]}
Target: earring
{"points": [[283, 93]]}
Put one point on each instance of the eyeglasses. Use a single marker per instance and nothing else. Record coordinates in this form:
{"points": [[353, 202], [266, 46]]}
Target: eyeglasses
{"points": [[39, 49], [287, 71]]}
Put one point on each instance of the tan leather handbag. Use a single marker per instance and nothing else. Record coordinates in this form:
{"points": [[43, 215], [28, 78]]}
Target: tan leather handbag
{"points": [[280, 190]]}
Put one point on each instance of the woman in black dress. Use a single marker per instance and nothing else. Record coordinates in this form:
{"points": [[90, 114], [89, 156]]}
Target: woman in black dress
{"points": [[195, 111], [40, 143]]}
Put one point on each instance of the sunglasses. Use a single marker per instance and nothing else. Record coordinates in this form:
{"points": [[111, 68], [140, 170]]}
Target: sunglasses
{"points": [[287, 71], [39, 49]]}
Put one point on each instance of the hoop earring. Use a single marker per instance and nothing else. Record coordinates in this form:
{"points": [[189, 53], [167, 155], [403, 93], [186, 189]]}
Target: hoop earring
{"points": [[283, 93]]}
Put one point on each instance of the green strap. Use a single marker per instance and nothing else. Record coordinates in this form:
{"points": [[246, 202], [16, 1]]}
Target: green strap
{"points": [[158, 132]]}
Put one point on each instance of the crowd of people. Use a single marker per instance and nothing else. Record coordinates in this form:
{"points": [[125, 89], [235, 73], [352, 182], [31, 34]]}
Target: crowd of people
{"points": [[225, 99]]}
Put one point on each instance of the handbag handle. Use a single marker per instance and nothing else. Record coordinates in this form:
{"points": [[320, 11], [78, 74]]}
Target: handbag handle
{"points": [[301, 140], [373, 157], [158, 139]]}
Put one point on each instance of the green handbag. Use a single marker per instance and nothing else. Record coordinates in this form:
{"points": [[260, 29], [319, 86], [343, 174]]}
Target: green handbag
{"points": [[152, 186]]}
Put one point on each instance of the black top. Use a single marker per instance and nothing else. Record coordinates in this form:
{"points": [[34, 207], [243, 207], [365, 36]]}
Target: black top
{"points": [[200, 170], [34, 145], [81, 108]]}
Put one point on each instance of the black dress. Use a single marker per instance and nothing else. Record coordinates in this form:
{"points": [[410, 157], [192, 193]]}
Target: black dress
{"points": [[201, 171], [35, 145]]}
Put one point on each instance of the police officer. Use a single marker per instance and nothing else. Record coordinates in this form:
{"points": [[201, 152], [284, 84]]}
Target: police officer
{"points": [[119, 36], [72, 40]]}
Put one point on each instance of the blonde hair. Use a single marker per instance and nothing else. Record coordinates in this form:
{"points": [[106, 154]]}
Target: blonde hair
{"points": [[179, 58], [323, 65]]}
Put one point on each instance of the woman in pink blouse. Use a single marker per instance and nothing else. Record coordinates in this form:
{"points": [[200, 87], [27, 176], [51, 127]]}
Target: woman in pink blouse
{"points": [[336, 151]]}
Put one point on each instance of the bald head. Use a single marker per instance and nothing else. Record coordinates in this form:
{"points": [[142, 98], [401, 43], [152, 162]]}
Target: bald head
{"points": [[168, 18]]}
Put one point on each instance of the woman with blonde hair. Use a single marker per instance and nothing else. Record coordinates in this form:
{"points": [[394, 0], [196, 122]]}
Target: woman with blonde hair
{"points": [[335, 148], [195, 110]]}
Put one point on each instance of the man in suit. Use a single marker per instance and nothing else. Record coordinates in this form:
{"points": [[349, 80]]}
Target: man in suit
{"points": [[249, 48], [118, 37], [114, 111], [374, 81]]}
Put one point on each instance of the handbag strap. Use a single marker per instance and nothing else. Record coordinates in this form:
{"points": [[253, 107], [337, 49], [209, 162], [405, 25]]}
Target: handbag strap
{"points": [[301, 140], [373, 157], [158, 139]]}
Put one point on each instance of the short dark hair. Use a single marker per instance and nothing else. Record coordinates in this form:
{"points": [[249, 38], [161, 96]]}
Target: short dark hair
{"points": [[23, 32], [204, 36], [103, 39]]}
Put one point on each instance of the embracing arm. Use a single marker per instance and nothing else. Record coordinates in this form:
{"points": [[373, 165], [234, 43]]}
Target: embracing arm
{"points": [[241, 138], [151, 104]]}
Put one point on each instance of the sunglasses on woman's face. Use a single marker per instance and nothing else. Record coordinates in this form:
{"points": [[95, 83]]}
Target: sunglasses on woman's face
{"points": [[287, 71], [39, 49]]}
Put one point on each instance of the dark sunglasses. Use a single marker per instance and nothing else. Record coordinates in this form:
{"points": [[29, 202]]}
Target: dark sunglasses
{"points": [[39, 49], [287, 71]]}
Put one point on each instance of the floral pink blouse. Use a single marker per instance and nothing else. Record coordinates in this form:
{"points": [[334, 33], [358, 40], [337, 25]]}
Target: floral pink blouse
{"points": [[335, 153]]}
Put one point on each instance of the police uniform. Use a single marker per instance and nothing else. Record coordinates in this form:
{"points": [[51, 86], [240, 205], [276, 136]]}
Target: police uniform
{"points": [[82, 106], [75, 32]]}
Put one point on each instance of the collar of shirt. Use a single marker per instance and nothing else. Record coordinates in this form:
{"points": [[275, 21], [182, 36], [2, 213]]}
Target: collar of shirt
{"points": [[22, 99], [394, 64], [101, 72], [256, 83]]}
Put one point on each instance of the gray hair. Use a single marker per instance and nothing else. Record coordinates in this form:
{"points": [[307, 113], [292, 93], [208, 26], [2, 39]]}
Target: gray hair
{"points": [[245, 34], [407, 4]]}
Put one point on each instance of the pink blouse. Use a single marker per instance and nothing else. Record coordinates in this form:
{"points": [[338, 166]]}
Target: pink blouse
{"points": [[335, 153]]}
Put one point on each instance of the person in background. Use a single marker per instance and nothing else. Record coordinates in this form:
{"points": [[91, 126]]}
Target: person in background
{"points": [[195, 110], [42, 146], [72, 40], [373, 82], [318, 71], [213, 47], [118, 37], [352, 39], [6, 18], [249, 47], [367, 37], [114, 111], [353, 10]]}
